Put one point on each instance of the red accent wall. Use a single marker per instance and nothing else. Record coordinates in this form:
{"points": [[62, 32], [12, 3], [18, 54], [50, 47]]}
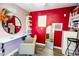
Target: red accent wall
{"points": [[53, 16]]}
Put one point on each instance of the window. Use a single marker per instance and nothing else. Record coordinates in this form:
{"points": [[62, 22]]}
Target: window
{"points": [[57, 26], [42, 21]]}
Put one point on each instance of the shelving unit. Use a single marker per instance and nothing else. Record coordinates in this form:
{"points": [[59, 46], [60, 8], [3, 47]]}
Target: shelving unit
{"points": [[74, 18], [28, 25], [74, 26]]}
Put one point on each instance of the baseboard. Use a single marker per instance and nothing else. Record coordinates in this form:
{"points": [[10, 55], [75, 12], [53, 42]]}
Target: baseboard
{"points": [[12, 52], [44, 45], [40, 44], [57, 47]]}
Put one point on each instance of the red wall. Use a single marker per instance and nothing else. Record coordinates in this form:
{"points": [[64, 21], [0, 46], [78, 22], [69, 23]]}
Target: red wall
{"points": [[53, 16]]}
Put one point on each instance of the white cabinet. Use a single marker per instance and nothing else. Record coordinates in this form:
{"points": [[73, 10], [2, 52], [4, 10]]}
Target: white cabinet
{"points": [[68, 34]]}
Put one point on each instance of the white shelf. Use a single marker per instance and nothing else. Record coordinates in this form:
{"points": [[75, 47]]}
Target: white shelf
{"points": [[75, 18], [29, 32], [29, 24], [29, 28], [28, 16], [29, 20]]}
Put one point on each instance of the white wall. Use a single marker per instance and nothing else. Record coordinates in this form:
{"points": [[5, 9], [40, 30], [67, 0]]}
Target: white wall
{"points": [[17, 11]]}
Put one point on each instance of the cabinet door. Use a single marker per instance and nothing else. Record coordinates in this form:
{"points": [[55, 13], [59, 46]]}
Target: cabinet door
{"points": [[58, 38]]}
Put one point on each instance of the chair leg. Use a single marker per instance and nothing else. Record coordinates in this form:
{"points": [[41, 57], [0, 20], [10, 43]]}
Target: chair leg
{"points": [[74, 52], [67, 49]]}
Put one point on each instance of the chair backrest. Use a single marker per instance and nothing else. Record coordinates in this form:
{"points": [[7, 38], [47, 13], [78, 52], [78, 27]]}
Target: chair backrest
{"points": [[35, 37], [30, 39]]}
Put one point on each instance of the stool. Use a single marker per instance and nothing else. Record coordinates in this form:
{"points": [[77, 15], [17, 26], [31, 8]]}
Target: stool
{"points": [[74, 40]]}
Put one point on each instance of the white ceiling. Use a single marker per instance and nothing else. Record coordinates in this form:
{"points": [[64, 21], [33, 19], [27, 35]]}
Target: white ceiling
{"points": [[43, 6]]}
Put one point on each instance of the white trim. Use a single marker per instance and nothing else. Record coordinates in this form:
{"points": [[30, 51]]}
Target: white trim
{"points": [[57, 47], [40, 44], [12, 52]]}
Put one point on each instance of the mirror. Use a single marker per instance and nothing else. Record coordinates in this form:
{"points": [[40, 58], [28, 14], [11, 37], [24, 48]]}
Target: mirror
{"points": [[48, 33], [12, 25]]}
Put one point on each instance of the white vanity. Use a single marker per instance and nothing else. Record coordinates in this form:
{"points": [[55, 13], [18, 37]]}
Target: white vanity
{"points": [[65, 36], [11, 44]]}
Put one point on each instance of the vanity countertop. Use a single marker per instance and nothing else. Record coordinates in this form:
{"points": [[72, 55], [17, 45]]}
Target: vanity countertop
{"points": [[10, 38]]}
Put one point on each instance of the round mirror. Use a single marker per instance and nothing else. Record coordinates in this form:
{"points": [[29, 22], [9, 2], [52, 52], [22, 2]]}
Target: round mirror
{"points": [[12, 25]]}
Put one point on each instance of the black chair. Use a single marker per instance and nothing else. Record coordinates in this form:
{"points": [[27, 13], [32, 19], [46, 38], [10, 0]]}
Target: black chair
{"points": [[69, 41]]}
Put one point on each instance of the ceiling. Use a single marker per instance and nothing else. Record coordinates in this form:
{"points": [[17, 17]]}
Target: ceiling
{"points": [[43, 6]]}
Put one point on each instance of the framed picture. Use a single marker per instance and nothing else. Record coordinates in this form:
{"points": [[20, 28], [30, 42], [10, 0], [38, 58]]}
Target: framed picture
{"points": [[57, 26]]}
